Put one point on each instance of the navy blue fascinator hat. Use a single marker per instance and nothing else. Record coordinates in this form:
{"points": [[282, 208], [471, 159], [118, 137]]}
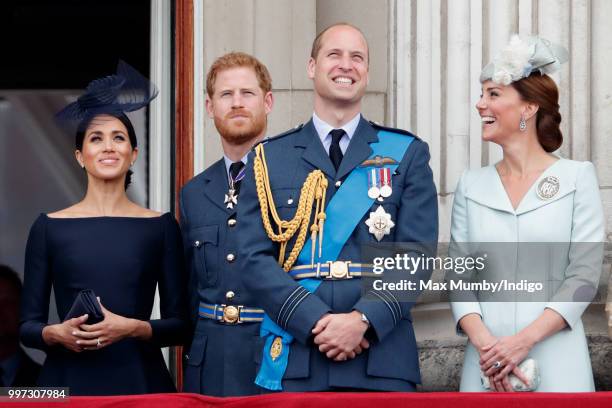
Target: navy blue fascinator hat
{"points": [[113, 95], [126, 91]]}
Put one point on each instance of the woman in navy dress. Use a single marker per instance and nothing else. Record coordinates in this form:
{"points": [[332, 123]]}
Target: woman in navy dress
{"points": [[114, 247]]}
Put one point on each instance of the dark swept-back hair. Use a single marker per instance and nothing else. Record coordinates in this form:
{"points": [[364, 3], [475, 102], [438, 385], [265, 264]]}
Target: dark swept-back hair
{"points": [[82, 128], [541, 90]]}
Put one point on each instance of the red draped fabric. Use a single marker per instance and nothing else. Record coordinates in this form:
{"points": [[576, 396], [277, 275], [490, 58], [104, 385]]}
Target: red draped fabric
{"points": [[338, 400]]}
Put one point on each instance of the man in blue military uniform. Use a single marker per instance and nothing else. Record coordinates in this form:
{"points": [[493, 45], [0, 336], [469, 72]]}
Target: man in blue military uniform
{"points": [[220, 361], [312, 197]]}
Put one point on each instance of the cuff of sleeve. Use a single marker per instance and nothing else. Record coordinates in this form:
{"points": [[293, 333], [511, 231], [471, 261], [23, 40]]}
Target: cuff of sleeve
{"points": [[169, 331], [39, 338], [157, 330], [461, 309], [383, 315], [569, 311], [302, 317], [32, 336]]}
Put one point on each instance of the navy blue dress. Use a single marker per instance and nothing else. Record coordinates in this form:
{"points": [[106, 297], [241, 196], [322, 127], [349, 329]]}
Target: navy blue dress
{"points": [[121, 259]]}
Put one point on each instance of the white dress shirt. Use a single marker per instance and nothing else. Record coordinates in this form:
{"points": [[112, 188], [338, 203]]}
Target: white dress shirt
{"points": [[323, 128]]}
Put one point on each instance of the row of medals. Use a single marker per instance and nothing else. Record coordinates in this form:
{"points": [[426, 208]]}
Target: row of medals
{"points": [[379, 187]]}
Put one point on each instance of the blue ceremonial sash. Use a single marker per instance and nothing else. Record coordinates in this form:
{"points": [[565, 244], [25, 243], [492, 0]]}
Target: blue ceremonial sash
{"points": [[344, 211]]}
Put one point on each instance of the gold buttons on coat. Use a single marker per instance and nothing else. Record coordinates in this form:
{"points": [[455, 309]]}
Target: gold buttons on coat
{"points": [[231, 222], [230, 257]]}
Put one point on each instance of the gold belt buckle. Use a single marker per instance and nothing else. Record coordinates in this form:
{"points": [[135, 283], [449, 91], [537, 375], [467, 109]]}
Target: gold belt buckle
{"points": [[231, 314], [339, 270]]}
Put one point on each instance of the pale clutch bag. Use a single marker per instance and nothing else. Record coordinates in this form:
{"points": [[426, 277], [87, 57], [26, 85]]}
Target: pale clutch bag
{"points": [[530, 367]]}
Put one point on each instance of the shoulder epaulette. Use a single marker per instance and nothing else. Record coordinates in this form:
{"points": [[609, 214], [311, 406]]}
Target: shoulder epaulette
{"points": [[394, 130], [289, 132]]}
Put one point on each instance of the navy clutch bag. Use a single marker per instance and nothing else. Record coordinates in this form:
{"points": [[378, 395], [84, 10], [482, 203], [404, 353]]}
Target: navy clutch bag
{"points": [[86, 303]]}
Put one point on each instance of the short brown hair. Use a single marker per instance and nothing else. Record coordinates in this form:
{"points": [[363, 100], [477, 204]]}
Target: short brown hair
{"points": [[235, 60], [318, 41], [541, 90]]}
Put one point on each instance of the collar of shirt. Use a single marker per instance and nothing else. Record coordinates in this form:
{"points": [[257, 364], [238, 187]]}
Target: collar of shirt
{"points": [[323, 128], [9, 368], [228, 163]]}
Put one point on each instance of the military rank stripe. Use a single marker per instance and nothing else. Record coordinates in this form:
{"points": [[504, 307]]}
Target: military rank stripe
{"points": [[283, 318], [288, 302], [303, 296], [396, 303], [388, 306], [393, 302]]}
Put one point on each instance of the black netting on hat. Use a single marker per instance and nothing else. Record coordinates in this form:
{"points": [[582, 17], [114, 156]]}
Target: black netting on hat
{"points": [[126, 91]]}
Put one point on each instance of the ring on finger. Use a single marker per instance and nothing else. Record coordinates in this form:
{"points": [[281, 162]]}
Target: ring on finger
{"points": [[98, 343], [497, 365]]}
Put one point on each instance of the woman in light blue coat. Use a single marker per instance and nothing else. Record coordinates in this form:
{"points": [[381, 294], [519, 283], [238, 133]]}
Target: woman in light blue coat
{"points": [[530, 196]]}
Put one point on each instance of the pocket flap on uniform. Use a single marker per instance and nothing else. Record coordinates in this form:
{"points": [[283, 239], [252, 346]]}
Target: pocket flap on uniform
{"points": [[396, 356], [299, 362], [206, 234], [196, 352]]}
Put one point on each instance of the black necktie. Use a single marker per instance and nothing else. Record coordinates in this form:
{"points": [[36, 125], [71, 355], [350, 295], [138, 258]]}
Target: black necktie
{"points": [[234, 170], [335, 153]]}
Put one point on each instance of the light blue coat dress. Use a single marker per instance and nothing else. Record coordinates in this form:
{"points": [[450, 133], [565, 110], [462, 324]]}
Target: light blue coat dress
{"points": [[482, 212]]}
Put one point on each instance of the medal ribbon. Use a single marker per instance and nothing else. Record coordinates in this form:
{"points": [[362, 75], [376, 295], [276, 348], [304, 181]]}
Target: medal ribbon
{"points": [[373, 179], [238, 178], [385, 174]]}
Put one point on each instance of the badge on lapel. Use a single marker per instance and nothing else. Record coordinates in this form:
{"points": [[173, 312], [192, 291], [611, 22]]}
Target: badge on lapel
{"points": [[548, 188]]}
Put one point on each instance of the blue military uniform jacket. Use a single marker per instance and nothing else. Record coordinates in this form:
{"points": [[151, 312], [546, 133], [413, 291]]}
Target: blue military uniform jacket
{"points": [[221, 359], [391, 363]]}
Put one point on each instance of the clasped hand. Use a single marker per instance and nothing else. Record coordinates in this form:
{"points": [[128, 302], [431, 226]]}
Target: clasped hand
{"points": [[340, 336], [110, 330], [77, 336], [509, 352]]}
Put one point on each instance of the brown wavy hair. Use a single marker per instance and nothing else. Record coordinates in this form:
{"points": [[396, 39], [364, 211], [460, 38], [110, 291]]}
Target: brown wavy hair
{"points": [[541, 90], [236, 60]]}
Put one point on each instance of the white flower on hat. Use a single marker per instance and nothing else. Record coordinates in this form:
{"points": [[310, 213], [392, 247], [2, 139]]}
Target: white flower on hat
{"points": [[512, 63], [522, 57]]}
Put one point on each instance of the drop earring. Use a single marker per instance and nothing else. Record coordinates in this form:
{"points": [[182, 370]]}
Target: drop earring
{"points": [[522, 124]]}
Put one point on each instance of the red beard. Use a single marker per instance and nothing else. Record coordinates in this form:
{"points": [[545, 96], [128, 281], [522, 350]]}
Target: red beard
{"points": [[239, 132]]}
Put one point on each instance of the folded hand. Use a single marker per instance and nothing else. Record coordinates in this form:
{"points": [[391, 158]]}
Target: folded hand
{"points": [[110, 330], [340, 336]]}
